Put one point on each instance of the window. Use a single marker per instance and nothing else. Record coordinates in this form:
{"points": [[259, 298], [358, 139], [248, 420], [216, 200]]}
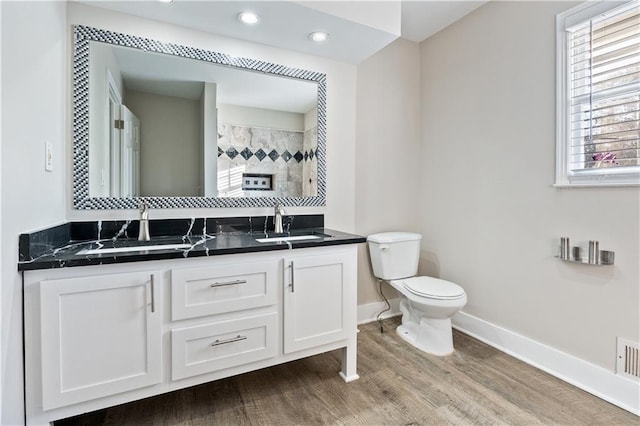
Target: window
{"points": [[598, 95]]}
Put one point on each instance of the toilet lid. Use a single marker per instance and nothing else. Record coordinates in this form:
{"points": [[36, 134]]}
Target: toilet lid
{"points": [[434, 288]]}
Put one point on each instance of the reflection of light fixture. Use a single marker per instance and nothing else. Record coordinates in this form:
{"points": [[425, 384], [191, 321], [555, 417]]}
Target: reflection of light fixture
{"points": [[165, 1], [248, 18], [319, 36]]}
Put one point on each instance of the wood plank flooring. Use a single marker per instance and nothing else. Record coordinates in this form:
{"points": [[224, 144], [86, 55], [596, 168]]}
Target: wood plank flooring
{"points": [[398, 385]]}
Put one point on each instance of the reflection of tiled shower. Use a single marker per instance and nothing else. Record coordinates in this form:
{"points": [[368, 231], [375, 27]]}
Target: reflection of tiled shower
{"points": [[310, 167], [289, 156]]}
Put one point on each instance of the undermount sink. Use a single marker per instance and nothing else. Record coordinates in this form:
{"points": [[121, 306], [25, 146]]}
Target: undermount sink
{"points": [[283, 239], [279, 239], [108, 250]]}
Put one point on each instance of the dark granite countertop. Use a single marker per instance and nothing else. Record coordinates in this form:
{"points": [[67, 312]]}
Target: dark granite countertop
{"points": [[111, 242]]}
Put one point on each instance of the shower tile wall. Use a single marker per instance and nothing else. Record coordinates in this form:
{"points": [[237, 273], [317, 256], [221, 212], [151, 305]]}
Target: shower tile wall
{"points": [[288, 155], [310, 165]]}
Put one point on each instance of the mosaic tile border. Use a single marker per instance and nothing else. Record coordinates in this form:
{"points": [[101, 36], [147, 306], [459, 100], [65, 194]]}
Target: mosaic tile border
{"points": [[273, 155], [82, 200]]}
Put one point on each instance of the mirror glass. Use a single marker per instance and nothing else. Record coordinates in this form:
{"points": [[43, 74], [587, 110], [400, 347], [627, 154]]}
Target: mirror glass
{"points": [[178, 127]]}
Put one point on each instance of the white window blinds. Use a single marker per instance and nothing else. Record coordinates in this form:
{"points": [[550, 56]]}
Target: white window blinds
{"points": [[604, 89]]}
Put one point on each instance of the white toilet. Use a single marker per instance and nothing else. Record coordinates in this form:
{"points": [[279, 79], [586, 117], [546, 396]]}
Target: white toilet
{"points": [[427, 304]]}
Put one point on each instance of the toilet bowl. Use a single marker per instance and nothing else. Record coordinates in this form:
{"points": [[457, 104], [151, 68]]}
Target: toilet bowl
{"points": [[427, 304]]}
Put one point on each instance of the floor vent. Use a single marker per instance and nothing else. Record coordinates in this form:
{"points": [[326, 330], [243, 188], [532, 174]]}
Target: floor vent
{"points": [[628, 358]]}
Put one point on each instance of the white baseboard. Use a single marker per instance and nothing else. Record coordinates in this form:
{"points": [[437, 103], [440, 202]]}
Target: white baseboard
{"points": [[369, 312], [618, 390]]}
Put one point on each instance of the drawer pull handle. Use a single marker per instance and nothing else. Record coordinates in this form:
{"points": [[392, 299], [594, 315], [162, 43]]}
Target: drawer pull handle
{"points": [[222, 284], [238, 338]]}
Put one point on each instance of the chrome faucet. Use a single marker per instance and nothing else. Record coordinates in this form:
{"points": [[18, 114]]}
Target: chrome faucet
{"points": [[143, 232], [277, 219]]}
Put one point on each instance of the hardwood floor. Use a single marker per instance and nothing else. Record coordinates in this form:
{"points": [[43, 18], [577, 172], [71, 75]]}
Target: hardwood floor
{"points": [[398, 385]]}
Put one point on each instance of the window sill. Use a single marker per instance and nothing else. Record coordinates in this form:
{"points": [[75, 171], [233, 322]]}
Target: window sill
{"points": [[596, 185], [596, 178]]}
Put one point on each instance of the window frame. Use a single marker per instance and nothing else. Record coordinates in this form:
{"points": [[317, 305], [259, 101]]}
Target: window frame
{"points": [[623, 176]]}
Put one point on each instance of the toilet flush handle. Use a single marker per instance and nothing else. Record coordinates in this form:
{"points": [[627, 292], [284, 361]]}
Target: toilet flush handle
{"points": [[384, 247]]}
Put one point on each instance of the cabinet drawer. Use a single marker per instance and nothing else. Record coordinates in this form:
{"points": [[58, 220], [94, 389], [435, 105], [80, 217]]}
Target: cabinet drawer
{"points": [[216, 346], [213, 290]]}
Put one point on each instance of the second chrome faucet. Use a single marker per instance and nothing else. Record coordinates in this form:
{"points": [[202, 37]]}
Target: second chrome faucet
{"points": [[277, 219], [143, 231]]}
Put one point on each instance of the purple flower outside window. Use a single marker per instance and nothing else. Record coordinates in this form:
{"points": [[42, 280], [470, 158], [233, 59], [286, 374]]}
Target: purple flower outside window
{"points": [[605, 157]]}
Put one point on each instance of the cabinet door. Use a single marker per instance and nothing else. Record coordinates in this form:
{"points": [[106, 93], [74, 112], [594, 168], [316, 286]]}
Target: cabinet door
{"points": [[317, 300], [100, 336]]}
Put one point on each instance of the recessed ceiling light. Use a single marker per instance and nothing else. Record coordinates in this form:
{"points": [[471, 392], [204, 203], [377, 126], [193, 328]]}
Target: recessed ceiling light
{"points": [[248, 17], [319, 36]]}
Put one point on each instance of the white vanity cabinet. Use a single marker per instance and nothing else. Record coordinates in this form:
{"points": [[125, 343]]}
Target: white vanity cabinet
{"points": [[99, 336]]}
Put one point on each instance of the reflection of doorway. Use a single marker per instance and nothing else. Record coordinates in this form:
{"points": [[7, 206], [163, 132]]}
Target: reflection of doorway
{"points": [[130, 154], [124, 144]]}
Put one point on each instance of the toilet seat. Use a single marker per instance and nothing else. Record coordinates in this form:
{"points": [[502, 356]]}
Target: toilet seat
{"points": [[433, 288]]}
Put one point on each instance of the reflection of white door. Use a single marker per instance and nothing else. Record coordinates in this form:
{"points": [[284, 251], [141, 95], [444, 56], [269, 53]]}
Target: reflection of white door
{"points": [[114, 102], [129, 153]]}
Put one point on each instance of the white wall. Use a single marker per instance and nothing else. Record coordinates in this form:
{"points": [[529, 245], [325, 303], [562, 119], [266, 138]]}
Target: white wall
{"points": [[310, 119], [341, 82], [34, 102], [259, 117], [388, 150], [170, 160], [490, 218]]}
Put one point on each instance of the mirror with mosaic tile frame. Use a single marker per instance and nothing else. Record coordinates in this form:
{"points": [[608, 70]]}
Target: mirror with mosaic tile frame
{"points": [[179, 127]]}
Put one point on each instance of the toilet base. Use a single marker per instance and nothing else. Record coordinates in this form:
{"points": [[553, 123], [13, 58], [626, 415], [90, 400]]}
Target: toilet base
{"points": [[432, 335]]}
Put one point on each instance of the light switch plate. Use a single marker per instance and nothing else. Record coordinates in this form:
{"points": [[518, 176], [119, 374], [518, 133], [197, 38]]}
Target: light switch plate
{"points": [[48, 156]]}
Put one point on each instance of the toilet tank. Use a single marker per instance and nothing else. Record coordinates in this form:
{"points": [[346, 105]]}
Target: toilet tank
{"points": [[394, 255]]}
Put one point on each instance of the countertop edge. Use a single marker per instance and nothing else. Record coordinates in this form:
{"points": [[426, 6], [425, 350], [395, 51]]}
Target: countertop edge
{"points": [[51, 262]]}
